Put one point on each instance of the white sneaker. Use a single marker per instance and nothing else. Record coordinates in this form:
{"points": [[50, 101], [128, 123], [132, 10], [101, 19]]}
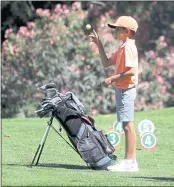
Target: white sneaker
{"points": [[125, 166]]}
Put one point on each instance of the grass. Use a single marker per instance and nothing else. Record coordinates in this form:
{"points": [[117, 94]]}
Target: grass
{"points": [[61, 166]]}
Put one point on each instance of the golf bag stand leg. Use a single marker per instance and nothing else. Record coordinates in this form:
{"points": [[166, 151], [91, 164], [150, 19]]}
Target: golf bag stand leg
{"points": [[41, 145]]}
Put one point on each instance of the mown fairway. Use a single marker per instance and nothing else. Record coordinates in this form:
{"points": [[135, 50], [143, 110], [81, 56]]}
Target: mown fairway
{"points": [[61, 166]]}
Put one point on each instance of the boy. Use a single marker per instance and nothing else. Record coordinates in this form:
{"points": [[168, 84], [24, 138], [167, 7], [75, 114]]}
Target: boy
{"points": [[124, 80]]}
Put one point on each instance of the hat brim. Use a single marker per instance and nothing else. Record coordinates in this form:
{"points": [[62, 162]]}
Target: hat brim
{"points": [[113, 26]]}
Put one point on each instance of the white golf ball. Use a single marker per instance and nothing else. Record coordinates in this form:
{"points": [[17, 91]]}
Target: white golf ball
{"points": [[88, 26]]}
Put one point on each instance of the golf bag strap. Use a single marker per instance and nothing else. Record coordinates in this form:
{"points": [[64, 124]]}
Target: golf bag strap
{"points": [[87, 119]]}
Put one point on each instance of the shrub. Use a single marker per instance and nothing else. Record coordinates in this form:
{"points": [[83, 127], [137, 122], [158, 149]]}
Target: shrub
{"points": [[156, 77], [54, 48]]}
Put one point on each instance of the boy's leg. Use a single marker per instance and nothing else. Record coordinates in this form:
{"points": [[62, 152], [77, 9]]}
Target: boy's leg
{"points": [[129, 164], [125, 113], [130, 140]]}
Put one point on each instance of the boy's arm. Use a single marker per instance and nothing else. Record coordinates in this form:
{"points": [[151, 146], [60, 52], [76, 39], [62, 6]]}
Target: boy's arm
{"points": [[104, 59], [128, 73], [93, 37], [131, 62]]}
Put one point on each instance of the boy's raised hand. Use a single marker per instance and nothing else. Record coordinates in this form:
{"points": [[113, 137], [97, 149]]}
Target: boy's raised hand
{"points": [[93, 37]]}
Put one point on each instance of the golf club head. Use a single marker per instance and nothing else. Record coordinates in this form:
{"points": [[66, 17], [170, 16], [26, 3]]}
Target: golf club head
{"points": [[49, 90], [44, 108], [47, 86]]}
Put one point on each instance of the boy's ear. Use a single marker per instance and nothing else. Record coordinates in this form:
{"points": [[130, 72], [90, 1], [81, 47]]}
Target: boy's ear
{"points": [[127, 31]]}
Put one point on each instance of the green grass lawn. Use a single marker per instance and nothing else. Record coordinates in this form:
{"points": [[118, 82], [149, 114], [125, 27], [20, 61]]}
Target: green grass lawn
{"points": [[61, 166]]}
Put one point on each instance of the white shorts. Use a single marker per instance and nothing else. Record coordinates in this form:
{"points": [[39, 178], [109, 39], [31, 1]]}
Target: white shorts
{"points": [[125, 100]]}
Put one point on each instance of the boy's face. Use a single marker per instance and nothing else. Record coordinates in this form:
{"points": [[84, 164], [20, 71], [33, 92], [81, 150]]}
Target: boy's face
{"points": [[121, 33]]}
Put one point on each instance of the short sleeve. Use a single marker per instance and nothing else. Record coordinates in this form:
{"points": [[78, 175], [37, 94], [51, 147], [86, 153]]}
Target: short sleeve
{"points": [[131, 56]]}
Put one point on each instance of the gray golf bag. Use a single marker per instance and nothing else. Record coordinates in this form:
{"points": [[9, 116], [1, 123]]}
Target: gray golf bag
{"points": [[92, 145]]}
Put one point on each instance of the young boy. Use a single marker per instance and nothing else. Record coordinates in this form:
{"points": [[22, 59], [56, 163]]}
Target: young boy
{"points": [[124, 80]]}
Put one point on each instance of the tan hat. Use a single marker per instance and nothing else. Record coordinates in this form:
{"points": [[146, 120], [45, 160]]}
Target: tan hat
{"points": [[125, 21]]}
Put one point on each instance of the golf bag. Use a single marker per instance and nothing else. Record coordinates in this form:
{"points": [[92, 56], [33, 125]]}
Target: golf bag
{"points": [[92, 145]]}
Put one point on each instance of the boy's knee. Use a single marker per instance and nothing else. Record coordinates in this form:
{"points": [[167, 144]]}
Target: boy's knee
{"points": [[128, 126]]}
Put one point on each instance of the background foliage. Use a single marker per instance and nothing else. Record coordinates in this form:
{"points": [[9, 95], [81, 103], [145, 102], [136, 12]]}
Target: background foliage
{"points": [[53, 47]]}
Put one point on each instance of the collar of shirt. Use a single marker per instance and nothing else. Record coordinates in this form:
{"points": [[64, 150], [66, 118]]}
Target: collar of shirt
{"points": [[129, 41]]}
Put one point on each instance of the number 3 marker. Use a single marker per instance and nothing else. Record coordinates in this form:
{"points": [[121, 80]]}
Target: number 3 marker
{"points": [[114, 138]]}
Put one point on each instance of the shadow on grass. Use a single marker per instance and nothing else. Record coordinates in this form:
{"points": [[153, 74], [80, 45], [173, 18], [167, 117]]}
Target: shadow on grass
{"points": [[67, 166], [50, 165], [164, 179]]}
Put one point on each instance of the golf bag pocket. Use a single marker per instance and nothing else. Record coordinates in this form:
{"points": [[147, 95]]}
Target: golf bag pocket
{"points": [[104, 142], [89, 149]]}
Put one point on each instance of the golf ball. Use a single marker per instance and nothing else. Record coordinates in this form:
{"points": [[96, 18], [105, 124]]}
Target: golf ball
{"points": [[88, 26]]}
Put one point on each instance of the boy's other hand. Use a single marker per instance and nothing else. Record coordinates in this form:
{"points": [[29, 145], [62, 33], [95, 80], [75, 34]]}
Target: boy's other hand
{"points": [[107, 82], [93, 37]]}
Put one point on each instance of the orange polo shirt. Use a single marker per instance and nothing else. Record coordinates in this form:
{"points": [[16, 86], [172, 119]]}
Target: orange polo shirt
{"points": [[125, 57]]}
